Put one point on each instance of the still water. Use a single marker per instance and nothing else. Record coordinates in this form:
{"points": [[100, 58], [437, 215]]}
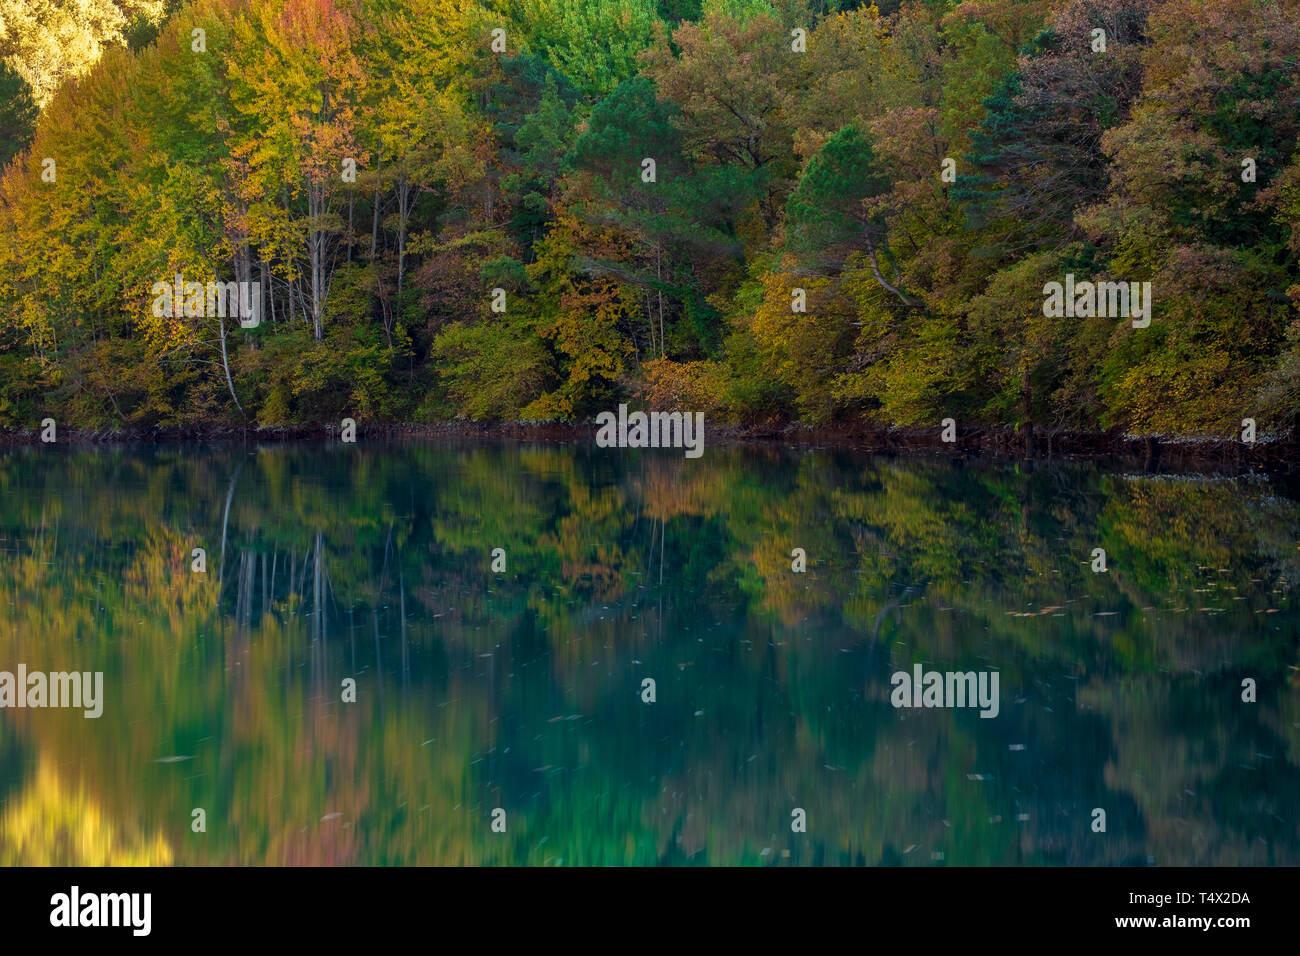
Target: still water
{"points": [[524, 689]]}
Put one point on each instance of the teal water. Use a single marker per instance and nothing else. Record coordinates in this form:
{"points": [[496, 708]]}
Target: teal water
{"points": [[523, 690]]}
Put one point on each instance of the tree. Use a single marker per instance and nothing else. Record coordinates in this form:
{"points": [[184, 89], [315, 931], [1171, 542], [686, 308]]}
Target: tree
{"points": [[730, 81], [296, 85], [676, 223], [1039, 151], [828, 215]]}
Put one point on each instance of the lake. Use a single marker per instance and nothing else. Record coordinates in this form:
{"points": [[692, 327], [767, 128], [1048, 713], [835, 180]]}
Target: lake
{"points": [[355, 677]]}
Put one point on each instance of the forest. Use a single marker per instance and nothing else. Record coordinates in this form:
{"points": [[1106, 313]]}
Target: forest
{"points": [[765, 211]]}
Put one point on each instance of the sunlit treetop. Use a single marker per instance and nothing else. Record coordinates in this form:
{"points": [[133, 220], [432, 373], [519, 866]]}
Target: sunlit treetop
{"points": [[48, 41]]}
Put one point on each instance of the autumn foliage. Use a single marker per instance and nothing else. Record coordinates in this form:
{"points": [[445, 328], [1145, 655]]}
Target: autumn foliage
{"points": [[627, 202]]}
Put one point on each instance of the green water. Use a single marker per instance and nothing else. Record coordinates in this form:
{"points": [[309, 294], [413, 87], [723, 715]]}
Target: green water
{"points": [[522, 690]]}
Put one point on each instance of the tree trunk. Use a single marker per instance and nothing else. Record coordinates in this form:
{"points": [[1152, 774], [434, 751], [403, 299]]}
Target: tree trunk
{"points": [[374, 215], [225, 364], [316, 251], [403, 210], [659, 272]]}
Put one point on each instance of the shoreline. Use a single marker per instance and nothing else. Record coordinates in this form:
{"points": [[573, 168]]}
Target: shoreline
{"points": [[1274, 455]]}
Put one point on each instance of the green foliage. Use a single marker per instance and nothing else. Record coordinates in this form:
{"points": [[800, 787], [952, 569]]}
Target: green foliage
{"points": [[673, 11], [491, 370], [17, 113], [741, 10], [826, 212], [594, 42]]}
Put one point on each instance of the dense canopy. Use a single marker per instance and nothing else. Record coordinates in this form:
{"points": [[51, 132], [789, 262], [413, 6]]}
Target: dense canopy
{"points": [[855, 221]]}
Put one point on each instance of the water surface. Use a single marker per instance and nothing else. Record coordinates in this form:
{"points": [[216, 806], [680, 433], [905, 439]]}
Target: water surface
{"points": [[522, 689]]}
